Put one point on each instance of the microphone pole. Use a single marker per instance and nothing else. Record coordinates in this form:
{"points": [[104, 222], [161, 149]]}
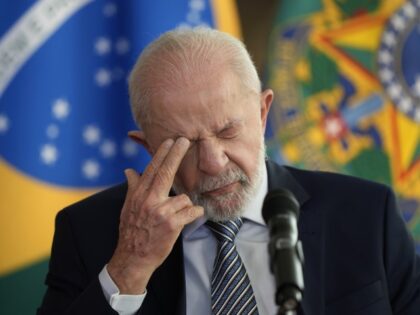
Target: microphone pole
{"points": [[281, 213]]}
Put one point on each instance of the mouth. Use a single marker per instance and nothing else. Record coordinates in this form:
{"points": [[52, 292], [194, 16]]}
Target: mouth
{"points": [[222, 190]]}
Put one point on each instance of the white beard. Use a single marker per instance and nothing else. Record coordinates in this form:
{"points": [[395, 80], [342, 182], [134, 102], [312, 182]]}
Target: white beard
{"points": [[230, 205]]}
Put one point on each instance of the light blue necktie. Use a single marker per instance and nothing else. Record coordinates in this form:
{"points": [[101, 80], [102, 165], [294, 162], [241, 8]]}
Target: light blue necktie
{"points": [[231, 290]]}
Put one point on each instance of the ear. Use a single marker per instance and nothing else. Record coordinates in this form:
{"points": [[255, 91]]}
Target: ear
{"points": [[139, 137], [267, 97]]}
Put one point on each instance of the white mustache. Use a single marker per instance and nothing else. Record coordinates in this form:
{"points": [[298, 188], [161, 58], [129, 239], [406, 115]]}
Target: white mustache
{"points": [[231, 176]]}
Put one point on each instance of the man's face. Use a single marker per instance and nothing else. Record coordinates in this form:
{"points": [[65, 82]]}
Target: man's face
{"points": [[221, 171]]}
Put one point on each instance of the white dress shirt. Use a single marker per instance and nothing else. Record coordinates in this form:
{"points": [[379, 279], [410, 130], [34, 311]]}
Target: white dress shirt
{"points": [[200, 247]]}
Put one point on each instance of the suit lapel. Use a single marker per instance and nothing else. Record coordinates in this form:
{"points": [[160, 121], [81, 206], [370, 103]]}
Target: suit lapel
{"points": [[310, 233]]}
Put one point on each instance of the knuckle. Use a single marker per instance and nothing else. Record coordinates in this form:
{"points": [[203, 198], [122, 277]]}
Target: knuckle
{"points": [[146, 206], [189, 212], [153, 164], [159, 215], [192, 212], [151, 167], [141, 209], [171, 225], [195, 212], [185, 200]]}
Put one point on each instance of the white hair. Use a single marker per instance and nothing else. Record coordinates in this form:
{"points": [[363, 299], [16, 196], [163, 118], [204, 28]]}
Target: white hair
{"points": [[178, 56]]}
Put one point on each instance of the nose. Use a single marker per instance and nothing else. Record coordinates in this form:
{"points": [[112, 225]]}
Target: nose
{"points": [[212, 158]]}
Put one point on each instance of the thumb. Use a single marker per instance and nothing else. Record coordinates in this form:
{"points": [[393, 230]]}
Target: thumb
{"points": [[132, 178]]}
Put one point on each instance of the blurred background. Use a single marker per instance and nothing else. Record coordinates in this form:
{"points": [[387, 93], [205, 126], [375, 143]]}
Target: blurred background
{"points": [[346, 77]]}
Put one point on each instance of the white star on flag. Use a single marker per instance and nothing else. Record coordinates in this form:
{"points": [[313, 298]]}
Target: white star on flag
{"points": [[417, 115], [406, 105], [198, 5], [398, 22], [389, 38], [409, 10], [385, 57], [108, 149], [129, 148], [4, 123], [60, 109], [110, 9], [194, 17], [52, 131], [395, 90], [91, 135], [102, 46], [386, 75], [90, 169], [103, 77], [416, 86], [122, 46], [49, 154]]}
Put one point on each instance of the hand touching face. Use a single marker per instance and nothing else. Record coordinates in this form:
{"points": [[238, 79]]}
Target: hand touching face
{"points": [[151, 221]]}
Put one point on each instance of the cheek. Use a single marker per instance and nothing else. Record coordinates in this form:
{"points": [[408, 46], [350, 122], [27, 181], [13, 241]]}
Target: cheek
{"points": [[245, 154]]}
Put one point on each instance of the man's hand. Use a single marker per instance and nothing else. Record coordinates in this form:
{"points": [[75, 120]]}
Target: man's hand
{"points": [[151, 221]]}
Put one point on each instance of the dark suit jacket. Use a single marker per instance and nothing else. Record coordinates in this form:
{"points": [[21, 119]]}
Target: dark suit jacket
{"points": [[359, 257]]}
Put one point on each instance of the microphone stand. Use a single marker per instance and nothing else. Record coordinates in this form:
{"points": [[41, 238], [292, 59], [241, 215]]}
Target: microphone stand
{"points": [[287, 266], [288, 305], [281, 212]]}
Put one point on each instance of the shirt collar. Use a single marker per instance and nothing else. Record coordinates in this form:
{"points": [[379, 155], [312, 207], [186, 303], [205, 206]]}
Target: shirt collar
{"points": [[252, 212]]}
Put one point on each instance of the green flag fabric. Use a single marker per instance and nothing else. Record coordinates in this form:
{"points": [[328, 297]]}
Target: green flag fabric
{"points": [[346, 76]]}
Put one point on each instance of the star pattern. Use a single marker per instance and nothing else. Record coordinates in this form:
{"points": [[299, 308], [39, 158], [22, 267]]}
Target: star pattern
{"points": [[4, 123], [52, 131], [110, 9], [103, 77], [108, 149], [129, 148], [193, 16], [91, 135], [60, 108], [122, 46], [102, 46], [49, 154], [416, 86], [91, 169], [77, 118]]}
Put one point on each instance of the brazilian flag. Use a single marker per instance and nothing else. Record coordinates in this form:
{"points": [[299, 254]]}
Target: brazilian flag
{"points": [[64, 114], [346, 75]]}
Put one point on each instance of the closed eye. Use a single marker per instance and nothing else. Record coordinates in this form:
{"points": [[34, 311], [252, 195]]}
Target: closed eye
{"points": [[229, 132]]}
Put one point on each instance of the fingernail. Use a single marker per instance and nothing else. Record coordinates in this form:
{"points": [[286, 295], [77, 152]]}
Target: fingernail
{"points": [[168, 142], [127, 173], [183, 141]]}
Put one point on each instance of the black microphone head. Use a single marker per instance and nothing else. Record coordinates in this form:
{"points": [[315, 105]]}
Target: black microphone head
{"points": [[279, 201]]}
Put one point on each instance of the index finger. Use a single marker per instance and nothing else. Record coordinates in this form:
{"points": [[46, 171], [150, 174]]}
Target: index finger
{"points": [[153, 166], [165, 175]]}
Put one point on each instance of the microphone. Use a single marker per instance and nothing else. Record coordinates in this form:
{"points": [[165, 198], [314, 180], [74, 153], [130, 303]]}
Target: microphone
{"points": [[281, 212]]}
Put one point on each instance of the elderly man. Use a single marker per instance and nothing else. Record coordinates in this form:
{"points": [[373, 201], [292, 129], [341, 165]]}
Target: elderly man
{"points": [[187, 236]]}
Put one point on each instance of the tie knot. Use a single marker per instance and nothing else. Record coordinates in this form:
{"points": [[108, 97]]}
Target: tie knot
{"points": [[226, 230]]}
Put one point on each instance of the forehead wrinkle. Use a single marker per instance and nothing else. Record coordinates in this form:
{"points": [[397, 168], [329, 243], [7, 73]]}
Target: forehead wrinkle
{"points": [[181, 67]]}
